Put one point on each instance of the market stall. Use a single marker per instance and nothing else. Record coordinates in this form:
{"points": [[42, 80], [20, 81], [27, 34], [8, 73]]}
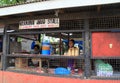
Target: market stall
{"points": [[95, 34]]}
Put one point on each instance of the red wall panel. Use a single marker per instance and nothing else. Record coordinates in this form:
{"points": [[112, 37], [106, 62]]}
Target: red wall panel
{"points": [[101, 42], [11, 77]]}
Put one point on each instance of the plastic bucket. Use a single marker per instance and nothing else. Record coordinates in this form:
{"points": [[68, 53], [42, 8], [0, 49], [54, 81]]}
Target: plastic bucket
{"points": [[45, 52], [45, 48]]}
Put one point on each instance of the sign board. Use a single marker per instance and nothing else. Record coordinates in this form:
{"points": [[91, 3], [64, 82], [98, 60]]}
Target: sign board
{"points": [[40, 23]]}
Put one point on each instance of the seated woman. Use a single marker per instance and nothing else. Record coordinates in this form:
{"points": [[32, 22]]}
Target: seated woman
{"points": [[72, 51], [36, 49], [34, 61]]}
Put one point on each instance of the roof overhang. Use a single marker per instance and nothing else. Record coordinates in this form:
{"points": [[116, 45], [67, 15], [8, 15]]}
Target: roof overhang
{"points": [[52, 4]]}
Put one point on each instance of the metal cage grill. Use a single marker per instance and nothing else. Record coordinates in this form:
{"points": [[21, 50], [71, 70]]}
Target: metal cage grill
{"points": [[57, 59], [69, 25], [63, 62], [64, 26], [72, 24], [75, 27], [105, 23]]}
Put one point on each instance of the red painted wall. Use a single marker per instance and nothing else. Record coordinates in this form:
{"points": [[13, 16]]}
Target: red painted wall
{"points": [[11, 77], [101, 44]]}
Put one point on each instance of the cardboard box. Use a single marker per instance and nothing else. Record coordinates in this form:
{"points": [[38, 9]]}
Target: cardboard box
{"points": [[21, 62]]}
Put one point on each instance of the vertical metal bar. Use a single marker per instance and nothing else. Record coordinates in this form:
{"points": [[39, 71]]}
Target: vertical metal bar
{"points": [[87, 49], [1, 51], [83, 36], [91, 44], [8, 44], [68, 40], [39, 37], [60, 45], [5, 42]]}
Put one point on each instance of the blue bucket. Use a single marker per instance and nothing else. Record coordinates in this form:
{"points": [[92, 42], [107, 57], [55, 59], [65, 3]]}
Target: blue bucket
{"points": [[45, 52]]}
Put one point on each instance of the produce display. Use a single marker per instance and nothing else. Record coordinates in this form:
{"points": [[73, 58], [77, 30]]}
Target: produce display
{"points": [[103, 69]]}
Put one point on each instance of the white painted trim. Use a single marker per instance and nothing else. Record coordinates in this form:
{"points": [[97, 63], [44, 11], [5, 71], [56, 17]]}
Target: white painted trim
{"points": [[52, 4]]}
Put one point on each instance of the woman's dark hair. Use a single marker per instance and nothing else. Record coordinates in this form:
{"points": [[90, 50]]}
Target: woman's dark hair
{"points": [[72, 41], [37, 46]]}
